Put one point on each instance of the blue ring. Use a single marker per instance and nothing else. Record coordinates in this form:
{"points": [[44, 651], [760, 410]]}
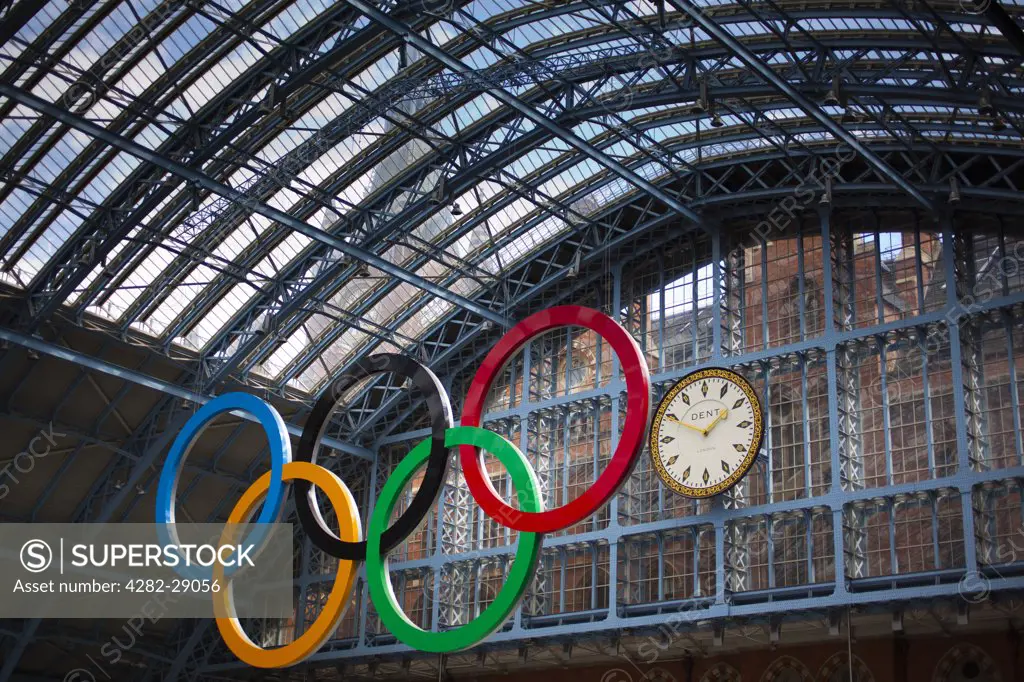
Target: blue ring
{"points": [[280, 454]]}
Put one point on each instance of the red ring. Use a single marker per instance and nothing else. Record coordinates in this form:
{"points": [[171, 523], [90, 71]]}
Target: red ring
{"points": [[631, 442]]}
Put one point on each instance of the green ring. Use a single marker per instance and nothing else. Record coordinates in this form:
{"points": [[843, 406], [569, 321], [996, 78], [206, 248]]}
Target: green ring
{"points": [[527, 551]]}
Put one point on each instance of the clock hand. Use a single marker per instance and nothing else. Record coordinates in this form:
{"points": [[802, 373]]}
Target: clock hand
{"points": [[721, 415], [682, 423]]}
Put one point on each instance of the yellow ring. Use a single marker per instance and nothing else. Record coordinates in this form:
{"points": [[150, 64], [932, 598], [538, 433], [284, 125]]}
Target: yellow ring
{"points": [[325, 625]]}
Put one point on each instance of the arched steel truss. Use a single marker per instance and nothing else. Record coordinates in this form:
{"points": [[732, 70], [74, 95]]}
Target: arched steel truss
{"points": [[624, 82]]}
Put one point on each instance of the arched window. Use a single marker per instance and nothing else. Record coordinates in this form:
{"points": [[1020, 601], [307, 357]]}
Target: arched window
{"points": [[721, 672], [837, 669], [966, 663], [659, 675], [786, 669]]}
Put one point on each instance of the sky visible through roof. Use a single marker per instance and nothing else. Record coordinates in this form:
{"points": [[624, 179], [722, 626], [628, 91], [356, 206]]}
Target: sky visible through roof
{"points": [[157, 250]]}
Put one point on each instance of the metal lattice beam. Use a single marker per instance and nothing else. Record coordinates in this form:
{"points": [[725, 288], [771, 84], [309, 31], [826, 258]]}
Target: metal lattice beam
{"points": [[812, 109], [609, 235], [167, 387], [229, 114], [378, 101], [277, 215], [584, 147]]}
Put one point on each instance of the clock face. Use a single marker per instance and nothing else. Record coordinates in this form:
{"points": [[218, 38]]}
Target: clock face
{"points": [[707, 432]]}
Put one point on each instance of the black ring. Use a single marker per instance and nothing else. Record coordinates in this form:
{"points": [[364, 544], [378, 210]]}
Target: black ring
{"points": [[429, 386]]}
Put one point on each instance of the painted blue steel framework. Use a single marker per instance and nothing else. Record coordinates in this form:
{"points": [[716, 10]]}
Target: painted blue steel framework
{"points": [[730, 516], [838, 502], [720, 184], [964, 481]]}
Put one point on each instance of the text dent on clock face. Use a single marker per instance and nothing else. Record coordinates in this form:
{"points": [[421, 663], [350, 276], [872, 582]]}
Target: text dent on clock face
{"points": [[706, 432]]}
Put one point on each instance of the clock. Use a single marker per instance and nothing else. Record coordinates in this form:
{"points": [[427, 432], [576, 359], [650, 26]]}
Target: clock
{"points": [[707, 432]]}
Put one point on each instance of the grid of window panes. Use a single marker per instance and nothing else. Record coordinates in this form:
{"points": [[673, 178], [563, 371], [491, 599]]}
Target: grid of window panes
{"points": [[846, 338]]}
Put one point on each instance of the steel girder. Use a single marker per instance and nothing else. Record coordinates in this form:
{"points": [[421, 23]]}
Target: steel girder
{"points": [[228, 116], [786, 89], [467, 176], [1004, 22], [16, 15], [300, 269], [274, 214], [30, 147], [733, 194], [348, 123], [932, 174], [175, 389], [221, 217], [159, 95], [293, 55], [286, 329], [547, 61], [369, 159], [14, 21], [499, 93], [385, 96], [834, 499]]}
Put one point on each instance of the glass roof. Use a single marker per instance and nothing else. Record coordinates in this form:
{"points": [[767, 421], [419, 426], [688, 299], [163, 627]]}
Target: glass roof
{"points": [[317, 111]]}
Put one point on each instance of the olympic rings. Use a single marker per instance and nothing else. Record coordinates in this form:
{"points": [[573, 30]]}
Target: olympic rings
{"points": [[325, 625], [531, 520], [440, 409], [167, 489], [528, 551], [631, 442]]}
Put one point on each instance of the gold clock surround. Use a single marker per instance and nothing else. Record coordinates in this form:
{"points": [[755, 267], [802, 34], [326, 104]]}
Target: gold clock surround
{"points": [[755, 446]]}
